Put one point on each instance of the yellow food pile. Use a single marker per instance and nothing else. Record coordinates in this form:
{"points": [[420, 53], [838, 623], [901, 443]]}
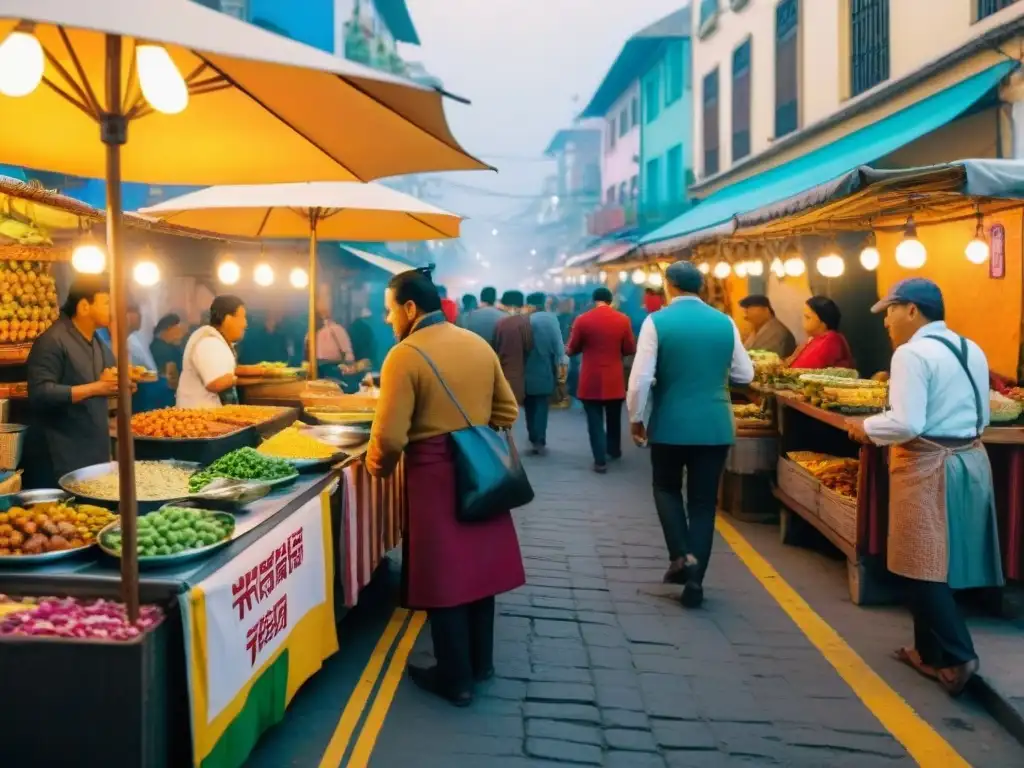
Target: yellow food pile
{"points": [[290, 443]]}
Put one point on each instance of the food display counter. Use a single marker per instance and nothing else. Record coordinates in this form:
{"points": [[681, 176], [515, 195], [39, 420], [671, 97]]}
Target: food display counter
{"points": [[856, 521]]}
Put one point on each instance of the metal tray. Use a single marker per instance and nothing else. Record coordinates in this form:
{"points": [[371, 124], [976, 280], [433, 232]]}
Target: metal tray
{"points": [[268, 483], [163, 561], [28, 561], [29, 498], [223, 491], [97, 470], [339, 435]]}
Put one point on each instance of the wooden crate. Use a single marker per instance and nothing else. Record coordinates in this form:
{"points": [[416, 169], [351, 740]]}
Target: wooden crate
{"points": [[799, 484], [753, 454], [839, 513]]}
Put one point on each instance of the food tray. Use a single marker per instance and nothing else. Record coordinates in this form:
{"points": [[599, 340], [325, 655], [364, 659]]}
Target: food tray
{"points": [[162, 561], [799, 484], [29, 499], [29, 561], [839, 513], [230, 493], [268, 483], [97, 470], [203, 450]]}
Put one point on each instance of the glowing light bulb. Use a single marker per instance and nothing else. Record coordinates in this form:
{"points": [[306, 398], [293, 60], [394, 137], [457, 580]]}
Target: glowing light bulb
{"points": [[639, 276], [604, 277], [870, 258], [740, 269], [755, 268], [146, 273], [89, 257], [977, 250], [778, 268], [263, 275], [298, 277], [21, 64], [704, 268], [831, 265], [794, 267], [911, 253], [655, 280], [623, 276], [229, 272], [159, 78], [722, 270]]}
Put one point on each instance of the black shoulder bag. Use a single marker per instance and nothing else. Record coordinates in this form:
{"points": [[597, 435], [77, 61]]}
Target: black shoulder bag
{"points": [[490, 478]]}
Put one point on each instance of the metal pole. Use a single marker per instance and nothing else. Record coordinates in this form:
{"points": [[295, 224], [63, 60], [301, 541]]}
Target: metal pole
{"points": [[312, 294], [114, 130]]}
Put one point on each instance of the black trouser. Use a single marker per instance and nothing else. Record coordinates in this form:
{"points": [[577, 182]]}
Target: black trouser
{"points": [[537, 408], [940, 632], [689, 528], [463, 642], [604, 425]]}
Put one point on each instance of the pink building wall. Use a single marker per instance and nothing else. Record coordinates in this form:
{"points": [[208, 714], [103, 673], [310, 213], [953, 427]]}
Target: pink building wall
{"points": [[619, 162]]}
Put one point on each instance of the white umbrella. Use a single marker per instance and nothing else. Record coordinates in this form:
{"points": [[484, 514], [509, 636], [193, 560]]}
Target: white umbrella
{"points": [[166, 91], [316, 210]]}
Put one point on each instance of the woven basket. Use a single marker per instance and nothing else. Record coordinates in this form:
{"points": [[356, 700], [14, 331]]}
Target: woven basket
{"points": [[839, 513], [752, 454], [12, 441], [799, 484]]}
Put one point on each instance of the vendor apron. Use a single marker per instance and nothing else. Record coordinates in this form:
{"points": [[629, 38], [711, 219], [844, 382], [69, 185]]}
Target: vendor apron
{"points": [[942, 520]]}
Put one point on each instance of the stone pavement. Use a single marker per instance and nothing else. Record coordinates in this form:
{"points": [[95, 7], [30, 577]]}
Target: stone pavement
{"points": [[598, 664]]}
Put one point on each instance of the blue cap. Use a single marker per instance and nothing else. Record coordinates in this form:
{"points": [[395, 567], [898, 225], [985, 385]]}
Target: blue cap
{"points": [[914, 290]]}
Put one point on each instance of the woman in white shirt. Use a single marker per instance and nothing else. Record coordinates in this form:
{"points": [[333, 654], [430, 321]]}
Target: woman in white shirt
{"points": [[208, 370]]}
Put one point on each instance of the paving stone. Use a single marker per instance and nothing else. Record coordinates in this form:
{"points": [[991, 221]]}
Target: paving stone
{"points": [[620, 697], [634, 760], [532, 612], [610, 658], [561, 692], [558, 603], [543, 628], [625, 718], [600, 618], [580, 713], [542, 673], [559, 657], [630, 740], [562, 730], [683, 734], [564, 751], [499, 688], [598, 636], [615, 677]]}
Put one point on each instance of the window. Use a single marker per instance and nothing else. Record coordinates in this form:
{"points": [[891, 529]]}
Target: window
{"points": [[609, 195], [709, 11], [674, 191], [787, 55], [710, 118], [610, 130], [634, 187], [237, 8], [869, 44], [623, 122], [988, 7], [653, 183], [674, 73], [634, 112], [741, 101], [652, 96]]}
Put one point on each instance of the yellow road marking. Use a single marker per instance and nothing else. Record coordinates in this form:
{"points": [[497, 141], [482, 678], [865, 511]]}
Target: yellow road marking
{"points": [[382, 703], [361, 693], [923, 743]]}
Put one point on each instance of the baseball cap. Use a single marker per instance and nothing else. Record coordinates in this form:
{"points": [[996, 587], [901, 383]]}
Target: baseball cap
{"points": [[914, 290], [755, 300]]}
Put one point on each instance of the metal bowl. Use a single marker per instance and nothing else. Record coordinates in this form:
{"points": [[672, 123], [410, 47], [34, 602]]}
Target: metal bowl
{"points": [[28, 561], [163, 561], [339, 435], [28, 498], [98, 470]]}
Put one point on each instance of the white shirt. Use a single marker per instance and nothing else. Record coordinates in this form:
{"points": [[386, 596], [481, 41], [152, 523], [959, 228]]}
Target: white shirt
{"points": [[642, 375], [929, 393], [207, 357], [139, 352]]}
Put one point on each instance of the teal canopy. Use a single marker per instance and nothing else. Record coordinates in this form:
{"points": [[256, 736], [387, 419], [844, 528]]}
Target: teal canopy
{"points": [[829, 162]]}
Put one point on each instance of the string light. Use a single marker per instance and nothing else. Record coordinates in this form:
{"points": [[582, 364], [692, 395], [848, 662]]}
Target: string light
{"points": [[794, 266], [755, 268], [639, 276], [740, 269], [911, 253], [159, 79], [704, 268], [778, 268], [229, 272], [655, 280], [298, 277], [977, 250], [623, 276], [722, 270], [89, 257], [21, 63], [870, 258], [146, 273], [831, 265]]}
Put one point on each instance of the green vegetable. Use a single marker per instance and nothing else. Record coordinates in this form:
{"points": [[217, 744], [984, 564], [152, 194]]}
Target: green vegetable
{"points": [[175, 530], [242, 464]]}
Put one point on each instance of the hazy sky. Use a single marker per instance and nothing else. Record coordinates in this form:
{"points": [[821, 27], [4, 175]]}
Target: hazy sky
{"points": [[528, 66]]}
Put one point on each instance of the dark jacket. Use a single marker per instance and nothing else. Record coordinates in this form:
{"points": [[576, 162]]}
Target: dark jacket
{"points": [[547, 354], [513, 341]]}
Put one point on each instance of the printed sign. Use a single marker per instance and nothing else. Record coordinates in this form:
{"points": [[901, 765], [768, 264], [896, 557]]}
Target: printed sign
{"points": [[997, 251], [252, 604]]}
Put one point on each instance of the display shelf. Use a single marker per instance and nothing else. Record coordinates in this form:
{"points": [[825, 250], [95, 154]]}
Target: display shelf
{"points": [[815, 522]]}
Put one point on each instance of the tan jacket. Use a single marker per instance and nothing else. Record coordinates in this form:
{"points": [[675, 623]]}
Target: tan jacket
{"points": [[414, 406]]}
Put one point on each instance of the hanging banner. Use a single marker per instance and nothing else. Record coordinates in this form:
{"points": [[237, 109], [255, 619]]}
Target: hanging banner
{"points": [[257, 629]]}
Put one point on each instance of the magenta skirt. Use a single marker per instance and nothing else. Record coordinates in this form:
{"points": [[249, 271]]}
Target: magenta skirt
{"points": [[444, 562]]}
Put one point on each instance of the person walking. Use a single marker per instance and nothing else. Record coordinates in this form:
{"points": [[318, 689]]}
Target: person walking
{"points": [[544, 369], [604, 337], [483, 320], [513, 341], [450, 569], [469, 306], [686, 355], [943, 532]]}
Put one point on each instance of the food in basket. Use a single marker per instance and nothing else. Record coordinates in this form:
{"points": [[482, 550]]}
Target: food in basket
{"points": [[173, 531], [75, 619], [242, 464], [766, 364], [245, 415], [291, 443], [747, 411], [28, 300], [178, 423], [1003, 409], [50, 527], [154, 481], [838, 473]]}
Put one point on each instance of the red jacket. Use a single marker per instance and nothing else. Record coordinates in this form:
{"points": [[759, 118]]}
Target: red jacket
{"points": [[603, 336], [829, 350], [450, 309]]}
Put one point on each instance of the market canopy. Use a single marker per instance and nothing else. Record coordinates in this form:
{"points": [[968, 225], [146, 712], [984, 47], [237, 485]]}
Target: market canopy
{"points": [[341, 210], [389, 264], [305, 114], [716, 216]]}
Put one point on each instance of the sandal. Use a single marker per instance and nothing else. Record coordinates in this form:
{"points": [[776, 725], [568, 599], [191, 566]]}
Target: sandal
{"points": [[912, 659], [955, 679]]}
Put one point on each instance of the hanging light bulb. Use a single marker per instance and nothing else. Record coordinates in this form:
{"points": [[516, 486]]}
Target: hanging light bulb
{"points": [[298, 277], [704, 268], [755, 268], [794, 266], [977, 251], [778, 268], [722, 270], [229, 272], [655, 280], [146, 273], [263, 275], [159, 78], [21, 62], [740, 269], [870, 258], [623, 276], [603, 277], [911, 253], [831, 265], [639, 276], [89, 258]]}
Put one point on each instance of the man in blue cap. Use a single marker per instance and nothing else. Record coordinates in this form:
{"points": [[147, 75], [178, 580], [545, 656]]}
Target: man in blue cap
{"points": [[942, 519], [686, 355]]}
